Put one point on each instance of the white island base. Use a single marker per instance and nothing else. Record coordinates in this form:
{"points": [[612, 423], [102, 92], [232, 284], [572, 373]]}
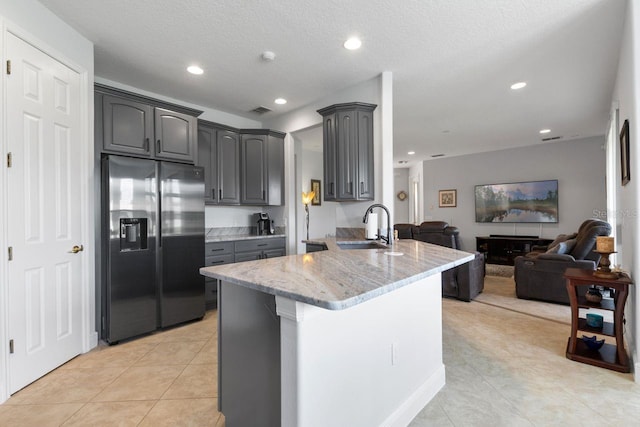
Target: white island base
{"points": [[377, 363]]}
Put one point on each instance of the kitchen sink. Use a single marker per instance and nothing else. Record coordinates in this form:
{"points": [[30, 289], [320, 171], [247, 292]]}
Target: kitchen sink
{"points": [[361, 245]]}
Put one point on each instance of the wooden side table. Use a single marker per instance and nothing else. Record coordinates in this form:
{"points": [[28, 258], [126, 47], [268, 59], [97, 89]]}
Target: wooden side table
{"points": [[610, 356]]}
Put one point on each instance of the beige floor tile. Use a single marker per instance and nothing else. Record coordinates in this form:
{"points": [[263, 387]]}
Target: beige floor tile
{"points": [[121, 414], [140, 383], [121, 355], [195, 381], [171, 353], [65, 386], [208, 354], [36, 415], [187, 412]]}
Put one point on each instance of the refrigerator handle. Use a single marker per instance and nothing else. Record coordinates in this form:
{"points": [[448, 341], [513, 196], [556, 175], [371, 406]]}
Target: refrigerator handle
{"points": [[159, 222]]}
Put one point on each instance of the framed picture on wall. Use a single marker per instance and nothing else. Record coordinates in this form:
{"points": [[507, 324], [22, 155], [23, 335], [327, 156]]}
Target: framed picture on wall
{"points": [[447, 198], [315, 187], [624, 153]]}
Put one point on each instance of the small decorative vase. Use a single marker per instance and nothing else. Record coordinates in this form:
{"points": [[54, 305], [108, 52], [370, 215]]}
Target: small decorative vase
{"points": [[593, 295]]}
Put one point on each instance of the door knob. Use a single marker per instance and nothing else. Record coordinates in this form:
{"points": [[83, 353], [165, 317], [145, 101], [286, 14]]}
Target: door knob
{"points": [[76, 249]]}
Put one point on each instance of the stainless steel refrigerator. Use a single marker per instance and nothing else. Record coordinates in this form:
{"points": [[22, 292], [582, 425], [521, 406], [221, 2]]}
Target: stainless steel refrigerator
{"points": [[153, 245]]}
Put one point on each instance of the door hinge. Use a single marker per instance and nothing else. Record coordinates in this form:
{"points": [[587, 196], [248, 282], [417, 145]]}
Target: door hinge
{"points": [[9, 160], [10, 346], [10, 253], [8, 66]]}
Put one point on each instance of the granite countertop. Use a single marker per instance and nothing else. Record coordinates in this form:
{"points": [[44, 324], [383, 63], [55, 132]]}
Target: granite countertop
{"points": [[337, 278], [233, 237]]}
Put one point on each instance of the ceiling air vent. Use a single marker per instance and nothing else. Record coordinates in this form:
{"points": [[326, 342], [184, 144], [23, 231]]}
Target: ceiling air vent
{"points": [[261, 110], [552, 138]]}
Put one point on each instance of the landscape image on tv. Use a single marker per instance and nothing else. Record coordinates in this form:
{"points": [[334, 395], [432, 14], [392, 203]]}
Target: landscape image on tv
{"points": [[535, 201]]}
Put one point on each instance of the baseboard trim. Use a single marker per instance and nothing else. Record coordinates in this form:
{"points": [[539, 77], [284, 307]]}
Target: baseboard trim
{"points": [[402, 416]]}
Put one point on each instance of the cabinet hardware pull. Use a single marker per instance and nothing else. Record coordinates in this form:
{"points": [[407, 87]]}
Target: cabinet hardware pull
{"points": [[263, 198], [217, 262], [220, 194], [262, 244], [361, 187], [157, 146], [146, 144], [217, 249], [213, 193], [351, 187], [331, 192]]}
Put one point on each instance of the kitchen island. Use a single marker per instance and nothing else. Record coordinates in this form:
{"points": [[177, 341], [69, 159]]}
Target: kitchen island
{"points": [[339, 337]]}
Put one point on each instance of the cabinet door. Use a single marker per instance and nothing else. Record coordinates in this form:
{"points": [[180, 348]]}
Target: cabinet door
{"points": [[273, 253], [248, 256], [329, 156], [207, 159], [253, 169], [346, 132], [366, 180], [127, 126], [175, 135], [275, 171], [228, 167]]}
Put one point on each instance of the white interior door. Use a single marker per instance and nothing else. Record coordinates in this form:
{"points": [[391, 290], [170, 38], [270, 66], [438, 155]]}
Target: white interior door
{"points": [[44, 215]]}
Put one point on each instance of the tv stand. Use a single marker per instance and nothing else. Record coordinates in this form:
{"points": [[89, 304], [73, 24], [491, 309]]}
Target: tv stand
{"points": [[503, 249]]}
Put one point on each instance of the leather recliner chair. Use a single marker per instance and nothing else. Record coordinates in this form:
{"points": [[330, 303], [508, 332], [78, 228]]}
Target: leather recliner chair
{"points": [[464, 282], [540, 275]]}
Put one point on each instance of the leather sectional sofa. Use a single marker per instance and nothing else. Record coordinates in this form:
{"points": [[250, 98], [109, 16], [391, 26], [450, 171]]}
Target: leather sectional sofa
{"points": [[539, 275], [464, 282]]}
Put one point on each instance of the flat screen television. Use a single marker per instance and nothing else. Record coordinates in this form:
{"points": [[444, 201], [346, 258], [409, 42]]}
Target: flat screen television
{"points": [[532, 202]]}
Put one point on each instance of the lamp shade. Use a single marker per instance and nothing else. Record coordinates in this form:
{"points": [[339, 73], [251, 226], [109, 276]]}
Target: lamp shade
{"points": [[307, 197]]}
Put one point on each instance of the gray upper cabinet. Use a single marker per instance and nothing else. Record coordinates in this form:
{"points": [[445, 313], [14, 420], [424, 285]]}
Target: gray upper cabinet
{"points": [[228, 166], [127, 126], [348, 151], [262, 167], [144, 127], [219, 155], [175, 135]]}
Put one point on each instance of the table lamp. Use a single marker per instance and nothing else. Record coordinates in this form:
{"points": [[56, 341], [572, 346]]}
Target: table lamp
{"points": [[306, 199]]}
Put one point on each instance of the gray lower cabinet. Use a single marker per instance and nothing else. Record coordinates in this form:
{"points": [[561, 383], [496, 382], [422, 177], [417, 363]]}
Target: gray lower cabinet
{"points": [[348, 151], [218, 253], [262, 167], [219, 155], [138, 126]]}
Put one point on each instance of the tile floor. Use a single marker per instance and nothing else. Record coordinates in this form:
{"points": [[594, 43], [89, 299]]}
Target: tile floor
{"points": [[165, 379], [504, 368]]}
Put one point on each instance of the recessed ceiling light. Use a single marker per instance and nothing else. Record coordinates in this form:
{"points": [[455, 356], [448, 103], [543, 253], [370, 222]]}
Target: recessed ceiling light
{"points": [[518, 85], [194, 69], [411, 153], [353, 43], [280, 101], [545, 131]]}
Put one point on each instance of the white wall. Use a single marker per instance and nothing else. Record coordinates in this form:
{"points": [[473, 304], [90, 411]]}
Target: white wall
{"points": [[626, 94], [322, 219], [578, 165], [33, 22], [401, 183]]}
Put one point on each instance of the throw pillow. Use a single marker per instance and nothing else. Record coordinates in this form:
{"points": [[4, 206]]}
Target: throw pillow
{"points": [[562, 238], [563, 247]]}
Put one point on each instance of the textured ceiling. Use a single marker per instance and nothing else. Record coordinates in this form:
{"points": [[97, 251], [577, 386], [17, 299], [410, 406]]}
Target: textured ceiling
{"points": [[452, 60]]}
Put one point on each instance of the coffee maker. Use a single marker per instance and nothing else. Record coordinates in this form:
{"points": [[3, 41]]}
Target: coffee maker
{"points": [[265, 225]]}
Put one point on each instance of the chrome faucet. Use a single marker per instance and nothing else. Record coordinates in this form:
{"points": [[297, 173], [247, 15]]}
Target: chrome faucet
{"points": [[388, 239]]}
